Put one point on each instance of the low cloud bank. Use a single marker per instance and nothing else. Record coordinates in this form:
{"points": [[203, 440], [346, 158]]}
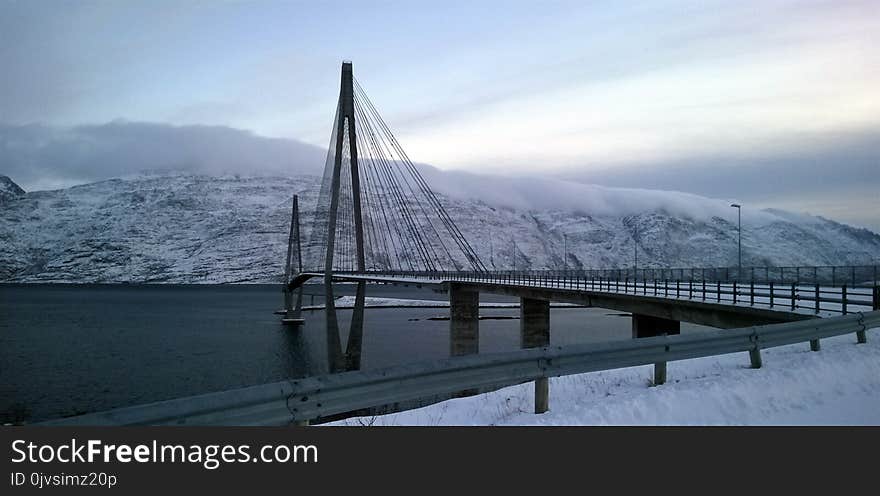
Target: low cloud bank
{"points": [[588, 199], [44, 157], [48, 157]]}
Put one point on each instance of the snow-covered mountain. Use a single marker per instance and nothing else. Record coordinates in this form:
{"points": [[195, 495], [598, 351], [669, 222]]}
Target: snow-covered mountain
{"points": [[9, 190], [186, 228]]}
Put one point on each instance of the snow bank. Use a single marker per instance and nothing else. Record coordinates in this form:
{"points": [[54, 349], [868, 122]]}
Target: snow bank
{"points": [[840, 385]]}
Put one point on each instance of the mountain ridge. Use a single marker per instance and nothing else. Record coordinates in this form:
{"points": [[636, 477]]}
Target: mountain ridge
{"points": [[192, 228]]}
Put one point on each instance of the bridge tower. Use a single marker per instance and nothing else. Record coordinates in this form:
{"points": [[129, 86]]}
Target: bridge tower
{"points": [[293, 262], [375, 210], [346, 133]]}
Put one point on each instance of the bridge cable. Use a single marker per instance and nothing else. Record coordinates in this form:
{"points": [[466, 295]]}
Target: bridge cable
{"points": [[401, 182], [464, 245], [391, 193], [453, 229], [431, 228]]}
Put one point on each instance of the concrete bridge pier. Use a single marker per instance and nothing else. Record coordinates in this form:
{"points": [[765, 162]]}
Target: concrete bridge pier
{"points": [[861, 337], [646, 326], [534, 325], [464, 321], [464, 325], [292, 311]]}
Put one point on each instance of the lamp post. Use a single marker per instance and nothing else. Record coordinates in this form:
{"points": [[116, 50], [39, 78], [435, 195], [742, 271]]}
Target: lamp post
{"points": [[564, 251], [739, 254], [514, 254], [635, 250], [491, 254]]}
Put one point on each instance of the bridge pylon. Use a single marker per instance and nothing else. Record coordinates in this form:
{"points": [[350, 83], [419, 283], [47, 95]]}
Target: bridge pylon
{"points": [[293, 311], [375, 211], [345, 134]]}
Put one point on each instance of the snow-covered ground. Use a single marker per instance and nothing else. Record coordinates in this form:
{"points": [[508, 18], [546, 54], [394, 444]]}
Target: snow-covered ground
{"points": [[839, 385]]}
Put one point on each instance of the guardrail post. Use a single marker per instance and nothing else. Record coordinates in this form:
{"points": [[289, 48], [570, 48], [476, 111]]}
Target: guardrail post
{"points": [[734, 294], [645, 326], [534, 325], [876, 297], [861, 337], [771, 294], [755, 357], [659, 373], [818, 306], [542, 395], [794, 298], [843, 297]]}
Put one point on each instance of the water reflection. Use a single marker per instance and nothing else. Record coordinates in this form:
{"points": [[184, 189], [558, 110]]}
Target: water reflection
{"points": [[349, 359], [67, 349], [356, 332]]}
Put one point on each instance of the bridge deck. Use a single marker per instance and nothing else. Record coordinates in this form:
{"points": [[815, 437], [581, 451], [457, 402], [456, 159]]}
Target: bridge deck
{"points": [[723, 305]]}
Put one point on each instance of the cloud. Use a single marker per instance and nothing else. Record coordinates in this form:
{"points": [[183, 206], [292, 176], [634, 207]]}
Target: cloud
{"points": [[546, 193], [40, 156], [835, 176], [832, 174]]}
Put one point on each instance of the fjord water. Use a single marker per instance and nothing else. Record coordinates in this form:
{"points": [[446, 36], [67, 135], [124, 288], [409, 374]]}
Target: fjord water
{"points": [[70, 349]]}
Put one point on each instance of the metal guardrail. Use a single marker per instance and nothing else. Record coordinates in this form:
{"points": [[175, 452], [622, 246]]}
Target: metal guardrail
{"points": [[302, 400]]}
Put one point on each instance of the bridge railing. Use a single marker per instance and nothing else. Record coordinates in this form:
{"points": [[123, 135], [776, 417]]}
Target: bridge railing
{"points": [[835, 276], [303, 400]]}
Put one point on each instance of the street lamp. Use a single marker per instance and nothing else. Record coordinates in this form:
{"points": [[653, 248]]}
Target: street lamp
{"points": [[739, 245], [514, 254], [564, 251], [635, 250], [491, 254]]}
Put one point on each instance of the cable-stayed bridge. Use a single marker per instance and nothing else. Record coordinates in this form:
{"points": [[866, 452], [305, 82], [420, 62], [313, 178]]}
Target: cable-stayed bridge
{"points": [[375, 211], [377, 220]]}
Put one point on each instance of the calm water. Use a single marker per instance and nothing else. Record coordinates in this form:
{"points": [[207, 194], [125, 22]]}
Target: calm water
{"points": [[68, 349]]}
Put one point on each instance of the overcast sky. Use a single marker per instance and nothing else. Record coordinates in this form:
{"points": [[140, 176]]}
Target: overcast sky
{"points": [[770, 102]]}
